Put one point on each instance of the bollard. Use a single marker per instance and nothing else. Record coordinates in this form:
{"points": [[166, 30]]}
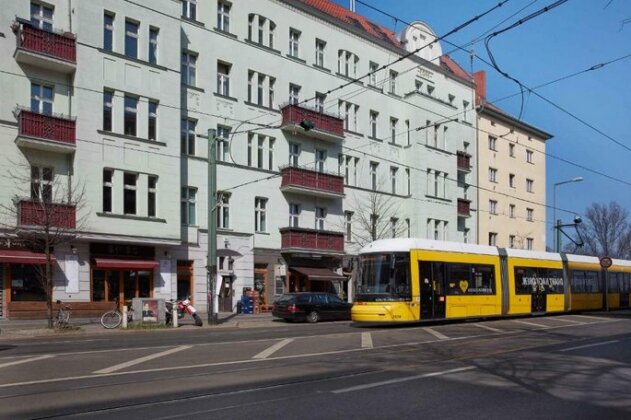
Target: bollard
{"points": [[124, 325], [174, 314]]}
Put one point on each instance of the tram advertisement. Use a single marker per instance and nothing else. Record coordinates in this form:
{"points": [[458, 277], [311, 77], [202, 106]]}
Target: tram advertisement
{"points": [[531, 279]]}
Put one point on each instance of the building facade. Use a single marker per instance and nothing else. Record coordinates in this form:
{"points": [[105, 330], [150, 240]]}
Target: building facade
{"points": [[511, 177], [121, 100]]}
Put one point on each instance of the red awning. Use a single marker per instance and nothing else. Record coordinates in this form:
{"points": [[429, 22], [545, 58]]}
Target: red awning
{"points": [[318, 273], [14, 256], [111, 264]]}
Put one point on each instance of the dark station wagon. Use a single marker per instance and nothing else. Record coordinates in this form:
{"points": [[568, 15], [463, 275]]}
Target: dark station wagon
{"points": [[311, 307]]}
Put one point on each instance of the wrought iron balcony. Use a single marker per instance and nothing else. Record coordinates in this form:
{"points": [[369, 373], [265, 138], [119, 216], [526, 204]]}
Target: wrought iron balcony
{"points": [[50, 50], [53, 215], [464, 207], [464, 161], [298, 118], [308, 181], [311, 240], [46, 132]]}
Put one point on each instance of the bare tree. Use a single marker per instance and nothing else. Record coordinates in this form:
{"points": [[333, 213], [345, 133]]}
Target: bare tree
{"points": [[606, 231], [44, 218]]}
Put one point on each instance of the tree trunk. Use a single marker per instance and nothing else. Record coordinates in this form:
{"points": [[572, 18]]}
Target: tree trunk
{"points": [[48, 281]]}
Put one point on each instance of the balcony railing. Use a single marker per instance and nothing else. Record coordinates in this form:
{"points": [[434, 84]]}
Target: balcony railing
{"points": [[41, 46], [311, 240], [52, 129], [464, 161], [325, 126], [52, 215], [464, 207], [309, 181]]}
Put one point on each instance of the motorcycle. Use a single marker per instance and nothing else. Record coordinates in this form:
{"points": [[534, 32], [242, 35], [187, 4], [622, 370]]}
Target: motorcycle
{"points": [[181, 307]]}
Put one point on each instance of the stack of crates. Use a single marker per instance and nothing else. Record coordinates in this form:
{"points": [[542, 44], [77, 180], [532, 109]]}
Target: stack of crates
{"points": [[254, 298], [247, 305]]}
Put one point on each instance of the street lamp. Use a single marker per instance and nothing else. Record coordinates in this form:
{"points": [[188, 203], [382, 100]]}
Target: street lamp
{"points": [[555, 229]]}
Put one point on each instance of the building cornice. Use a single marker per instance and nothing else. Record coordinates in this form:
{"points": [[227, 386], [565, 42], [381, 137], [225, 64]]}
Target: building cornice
{"points": [[501, 116]]}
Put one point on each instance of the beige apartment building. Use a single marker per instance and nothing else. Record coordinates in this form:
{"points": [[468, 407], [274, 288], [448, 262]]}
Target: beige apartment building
{"points": [[511, 177]]}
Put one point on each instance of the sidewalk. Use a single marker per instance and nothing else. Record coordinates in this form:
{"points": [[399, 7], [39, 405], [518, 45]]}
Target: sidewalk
{"points": [[83, 326]]}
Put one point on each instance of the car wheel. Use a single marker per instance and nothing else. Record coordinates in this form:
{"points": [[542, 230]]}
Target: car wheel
{"points": [[313, 317]]}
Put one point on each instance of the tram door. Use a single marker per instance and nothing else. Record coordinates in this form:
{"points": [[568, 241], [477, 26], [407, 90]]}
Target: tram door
{"points": [[538, 298], [432, 290]]}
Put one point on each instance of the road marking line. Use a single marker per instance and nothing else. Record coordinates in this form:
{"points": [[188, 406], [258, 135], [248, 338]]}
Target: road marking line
{"points": [[571, 321], [272, 349], [399, 380], [367, 340], [32, 359], [486, 327], [604, 343], [532, 324], [141, 360], [436, 333], [590, 317]]}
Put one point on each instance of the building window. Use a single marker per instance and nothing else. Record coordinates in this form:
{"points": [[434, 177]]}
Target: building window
{"points": [[41, 184], [108, 95], [223, 79], [529, 156], [223, 210], [294, 154], [373, 124], [407, 177], [260, 152], [348, 225], [511, 211], [250, 146], [492, 175], [223, 16], [511, 241], [189, 63], [407, 228], [319, 52], [42, 16], [107, 190], [320, 162], [392, 85], [153, 45], [259, 89], [408, 140], [223, 144], [511, 180], [188, 136], [262, 21], [251, 86], [189, 9], [131, 39], [373, 175], [372, 69], [294, 215], [493, 206], [492, 143], [189, 206], [152, 184], [430, 90], [465, 107], [270, 99], [294, 94], [530, 215], [153, 120], [320, 215], [393, 226], [319, 102], [41, 99], [270, 154], [393, 130], [530, 185], [492, 238], [294, 43], [131, 113], [347, 63], [129, 190], [108, 31], [260, 218], [511, 150], [529, 243], [393, 179]]}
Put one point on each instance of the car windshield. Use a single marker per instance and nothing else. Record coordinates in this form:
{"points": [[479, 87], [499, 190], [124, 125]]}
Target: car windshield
{"points": [[383, 277]]}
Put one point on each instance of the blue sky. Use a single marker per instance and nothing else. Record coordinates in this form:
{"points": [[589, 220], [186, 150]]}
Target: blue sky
{"points": [[570, 38]]}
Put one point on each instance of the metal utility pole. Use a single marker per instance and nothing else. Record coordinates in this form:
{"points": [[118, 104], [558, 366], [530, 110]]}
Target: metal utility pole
{"points": [[211, 266], [557, 223]]}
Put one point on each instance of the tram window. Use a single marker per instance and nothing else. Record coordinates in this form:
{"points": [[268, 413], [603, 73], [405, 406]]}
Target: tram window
{"points": [[532, 279], [592, 283], [469, 279], [613, 282], [578, 281], [584, 281]]}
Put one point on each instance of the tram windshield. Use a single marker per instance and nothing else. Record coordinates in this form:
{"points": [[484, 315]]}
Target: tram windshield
{"points": [[383, 277]]}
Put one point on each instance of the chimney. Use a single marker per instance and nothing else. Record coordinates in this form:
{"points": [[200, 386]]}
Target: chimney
{"points": [[480, 87], [352, 6]]}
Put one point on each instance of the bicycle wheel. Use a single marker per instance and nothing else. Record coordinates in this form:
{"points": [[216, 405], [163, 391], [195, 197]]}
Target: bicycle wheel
{"points": [[111, 319]]}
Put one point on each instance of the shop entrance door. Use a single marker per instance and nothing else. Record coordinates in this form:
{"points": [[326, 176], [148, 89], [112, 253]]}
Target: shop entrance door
{"points": [[225, 295]]}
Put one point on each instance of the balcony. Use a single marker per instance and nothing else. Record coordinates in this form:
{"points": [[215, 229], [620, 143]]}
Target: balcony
{"points": [[51, 215], [49, 50], [464, 161], [309, 182], [46, 132], [312, 241], [325, 127], [464, 207]]}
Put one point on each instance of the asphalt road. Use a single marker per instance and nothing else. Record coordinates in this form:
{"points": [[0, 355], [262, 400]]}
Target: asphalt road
{"points": [[570, 366]]}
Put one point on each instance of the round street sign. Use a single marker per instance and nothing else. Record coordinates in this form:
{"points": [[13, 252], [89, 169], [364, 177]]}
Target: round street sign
{"points": [[605, 262]]}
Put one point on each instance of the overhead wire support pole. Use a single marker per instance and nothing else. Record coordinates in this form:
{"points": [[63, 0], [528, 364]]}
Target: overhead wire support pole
{"points": [[211, 267]]}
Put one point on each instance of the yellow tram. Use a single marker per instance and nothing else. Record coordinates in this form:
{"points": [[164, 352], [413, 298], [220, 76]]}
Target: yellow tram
{"points": [[411, 280]]}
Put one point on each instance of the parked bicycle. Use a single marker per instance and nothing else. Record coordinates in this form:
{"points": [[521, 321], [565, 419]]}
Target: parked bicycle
{"points": [[63, 316], [112, 319]]}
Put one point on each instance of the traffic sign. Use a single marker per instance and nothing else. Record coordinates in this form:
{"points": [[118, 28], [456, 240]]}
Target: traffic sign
{"points": [[605, 262]]}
